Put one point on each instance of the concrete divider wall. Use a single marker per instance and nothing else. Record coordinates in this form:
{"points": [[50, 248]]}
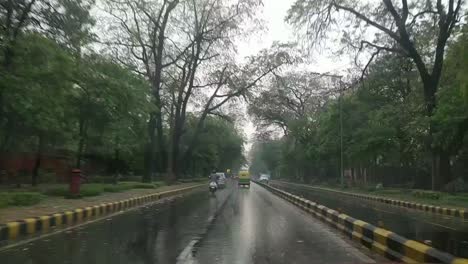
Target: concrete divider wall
{"points": [[379, 240], [417, 206], [16, 230]]}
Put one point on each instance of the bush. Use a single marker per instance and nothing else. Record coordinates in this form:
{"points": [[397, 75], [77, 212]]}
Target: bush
{"points": [[426, 194], [20, 199], [26, 198], [58, 191], [188, 180], [131, 178], [159, 184], [390, 191], [143, 186], [91, 190], [4, 200], [101, 179], [86, 190], [116, 188]]}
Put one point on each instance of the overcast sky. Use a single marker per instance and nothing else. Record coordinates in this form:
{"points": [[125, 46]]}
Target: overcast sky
{"points": [[276, 29]]}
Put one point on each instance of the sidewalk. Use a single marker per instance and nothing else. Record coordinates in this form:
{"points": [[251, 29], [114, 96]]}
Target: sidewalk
{"points": [[51, 205]]}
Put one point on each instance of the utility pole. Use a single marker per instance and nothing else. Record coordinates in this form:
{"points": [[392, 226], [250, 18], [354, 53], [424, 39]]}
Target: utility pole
{"points": [[341, 134]]}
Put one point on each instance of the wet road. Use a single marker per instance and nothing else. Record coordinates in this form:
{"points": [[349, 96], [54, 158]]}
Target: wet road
{"points": [[447, 233], [237, 226], [151, 234], [258, 227]]}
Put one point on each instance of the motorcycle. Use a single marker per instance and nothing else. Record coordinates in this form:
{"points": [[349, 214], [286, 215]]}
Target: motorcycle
{"points": [[213, 187]]}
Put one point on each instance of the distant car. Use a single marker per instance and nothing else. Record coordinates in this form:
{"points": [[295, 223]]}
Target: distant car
{"points": [[221, 179], [264, 178]]}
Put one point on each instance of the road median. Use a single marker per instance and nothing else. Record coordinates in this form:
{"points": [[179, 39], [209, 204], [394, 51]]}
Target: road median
{"points": [[13, 231], [379, 240]]}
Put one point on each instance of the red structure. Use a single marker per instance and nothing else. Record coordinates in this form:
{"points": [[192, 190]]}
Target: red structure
{"points": [[75, 182], [17, 167]]}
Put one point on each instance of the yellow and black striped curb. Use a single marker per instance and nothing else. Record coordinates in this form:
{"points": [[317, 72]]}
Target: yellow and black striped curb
{"points": [[417, 206], [379, 240], [16, 230]]}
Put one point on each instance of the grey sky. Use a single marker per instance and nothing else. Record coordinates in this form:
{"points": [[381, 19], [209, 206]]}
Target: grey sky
{"points": [[276, 29]]}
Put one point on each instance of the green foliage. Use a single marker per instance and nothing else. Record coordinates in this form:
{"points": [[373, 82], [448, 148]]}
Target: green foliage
{"points": [[426, 194], [57, 191], [86, 190], [143, 186], [382, 124], [19, 198], [116, 188], [4, 200], [91, 190], [102, 179], [94, 189], [219, 147]]}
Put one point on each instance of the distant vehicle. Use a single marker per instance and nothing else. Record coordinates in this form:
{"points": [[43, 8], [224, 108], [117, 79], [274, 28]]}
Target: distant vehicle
{"points": [[244, 178], [221, 180], [264, 178], [213, 187]]}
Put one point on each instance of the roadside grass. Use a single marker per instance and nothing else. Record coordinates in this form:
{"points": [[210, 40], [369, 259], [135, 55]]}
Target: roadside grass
{"points": [[413, 195], [20, 198], [31, 195], [201, 179], [94, 189]]}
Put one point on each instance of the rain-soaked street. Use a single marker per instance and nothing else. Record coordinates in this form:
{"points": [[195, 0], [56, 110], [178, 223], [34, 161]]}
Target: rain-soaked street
{"points": [[446, 233], [236, 226]]}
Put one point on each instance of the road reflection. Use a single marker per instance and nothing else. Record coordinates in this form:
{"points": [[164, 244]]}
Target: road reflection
{"points": [[449, 234]]}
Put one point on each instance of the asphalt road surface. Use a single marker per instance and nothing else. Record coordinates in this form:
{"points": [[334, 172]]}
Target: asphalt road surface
{"points": [[235, 226], [446, 233], [257, 227]]}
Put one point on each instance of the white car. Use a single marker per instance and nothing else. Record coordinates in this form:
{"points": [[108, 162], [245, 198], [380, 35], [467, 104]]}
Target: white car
{"points": [[264, 178]]}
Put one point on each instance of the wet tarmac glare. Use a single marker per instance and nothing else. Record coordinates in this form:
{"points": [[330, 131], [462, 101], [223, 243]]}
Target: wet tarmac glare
{"points": [[235, 226], [150, 234], [258, 227], [447, 233]]}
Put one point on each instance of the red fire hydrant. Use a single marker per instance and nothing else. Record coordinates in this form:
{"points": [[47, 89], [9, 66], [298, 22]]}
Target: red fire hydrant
{"points": [[75, 182]]}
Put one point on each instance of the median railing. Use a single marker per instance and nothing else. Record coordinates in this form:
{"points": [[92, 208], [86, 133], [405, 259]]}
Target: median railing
{"points": [[379, 240]]}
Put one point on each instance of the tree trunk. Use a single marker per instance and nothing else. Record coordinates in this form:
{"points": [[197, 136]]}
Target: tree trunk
{"points": [[160, 141], [173, 154], [437, 180], [149, 151], [37, 163], [81, 142], [198, 129], [441, 169]]}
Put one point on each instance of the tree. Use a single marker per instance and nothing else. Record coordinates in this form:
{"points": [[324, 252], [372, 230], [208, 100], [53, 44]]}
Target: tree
{"points": [[40, 71], [399, 28], [290, 96], [139, 43], [205, 68], [219, 146], [266, 157], [69, 23], [14, 17]]}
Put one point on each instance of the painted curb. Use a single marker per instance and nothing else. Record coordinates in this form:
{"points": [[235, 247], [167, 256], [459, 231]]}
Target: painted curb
{"points": [[15, 230], [379, 240], [400, 203]]}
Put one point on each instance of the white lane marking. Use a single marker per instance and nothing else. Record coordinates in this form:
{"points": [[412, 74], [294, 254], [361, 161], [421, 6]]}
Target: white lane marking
{"points": [[186, 255]]}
